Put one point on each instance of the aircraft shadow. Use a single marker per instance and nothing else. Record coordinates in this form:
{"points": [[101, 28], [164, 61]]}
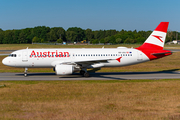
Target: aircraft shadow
{"points": [[106, 75]]}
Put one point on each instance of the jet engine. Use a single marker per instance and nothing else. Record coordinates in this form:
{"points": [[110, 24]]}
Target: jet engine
{"points": [[64, 69]]}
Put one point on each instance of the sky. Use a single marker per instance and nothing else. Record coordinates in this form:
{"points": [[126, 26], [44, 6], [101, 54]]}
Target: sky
{"points": [[94, 14]]}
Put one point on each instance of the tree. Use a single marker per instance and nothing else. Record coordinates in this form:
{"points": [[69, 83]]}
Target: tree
{"points": [[16, 36], [1, 30], [59, 40], [71, 36], [102, 41], [40, 32], [79, 33], [110, 33], [140, 40], [36, 40], [112, 40], [118, 40], [1, 35], [107, 39], [95, 41], [8, 37], [22, 37], [42, 40], [130, 40], [89, 34], [56, 33], [28, 34], [99, 34]]}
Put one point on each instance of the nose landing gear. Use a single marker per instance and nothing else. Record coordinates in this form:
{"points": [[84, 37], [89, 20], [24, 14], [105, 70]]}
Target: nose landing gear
{"points": [[25, 72]]}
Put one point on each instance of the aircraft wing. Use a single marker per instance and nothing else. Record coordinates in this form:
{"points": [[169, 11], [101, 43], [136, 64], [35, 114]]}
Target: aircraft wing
{"points": [[85, 63]]}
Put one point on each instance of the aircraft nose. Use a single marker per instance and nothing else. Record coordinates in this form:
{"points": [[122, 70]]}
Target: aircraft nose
{"points": [[5, 61]]}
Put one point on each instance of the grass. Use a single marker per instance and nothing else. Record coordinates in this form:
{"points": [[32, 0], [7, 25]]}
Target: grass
{"points": [[71, 100], [24, 46], [93, 100]]}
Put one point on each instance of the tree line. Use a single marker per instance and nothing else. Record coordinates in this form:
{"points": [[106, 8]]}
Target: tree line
{"points": [[43, 34]]}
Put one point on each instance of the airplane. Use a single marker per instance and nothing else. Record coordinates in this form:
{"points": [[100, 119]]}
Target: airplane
{"points": [[70, 60]]}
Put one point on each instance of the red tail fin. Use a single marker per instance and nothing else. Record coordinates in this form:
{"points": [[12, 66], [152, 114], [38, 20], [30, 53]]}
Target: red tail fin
{"points": [[157, 38], [153, 46]]}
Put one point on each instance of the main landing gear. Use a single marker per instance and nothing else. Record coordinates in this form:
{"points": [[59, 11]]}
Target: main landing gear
{"points": [[25, 72], [84, 73]]}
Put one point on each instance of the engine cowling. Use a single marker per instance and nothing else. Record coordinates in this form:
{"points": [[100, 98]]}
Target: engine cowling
{"points": [[64, 69]]}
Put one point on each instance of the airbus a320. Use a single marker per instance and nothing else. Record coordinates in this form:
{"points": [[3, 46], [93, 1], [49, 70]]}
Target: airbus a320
{"points": [[68, 61]]}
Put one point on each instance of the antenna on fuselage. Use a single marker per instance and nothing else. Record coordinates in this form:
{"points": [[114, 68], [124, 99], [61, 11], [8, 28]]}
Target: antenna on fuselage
{"points": [[27, 48]]}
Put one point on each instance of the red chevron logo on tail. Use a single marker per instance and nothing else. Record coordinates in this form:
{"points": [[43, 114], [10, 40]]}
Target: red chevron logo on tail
{"points": [[158, 37]]}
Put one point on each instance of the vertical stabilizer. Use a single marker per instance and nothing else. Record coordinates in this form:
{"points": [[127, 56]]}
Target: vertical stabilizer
{"points": [[153, 46], [157, 38]]}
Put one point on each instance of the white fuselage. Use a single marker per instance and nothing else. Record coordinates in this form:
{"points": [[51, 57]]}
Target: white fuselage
{"points": [[42, 58]]}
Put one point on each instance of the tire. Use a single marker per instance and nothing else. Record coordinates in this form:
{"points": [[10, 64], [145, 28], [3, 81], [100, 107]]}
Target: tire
{"points": [[82, 72], [86, 74], [25, 74]]}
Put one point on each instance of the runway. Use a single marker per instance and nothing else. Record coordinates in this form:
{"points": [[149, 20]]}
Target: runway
{"points": [[93, 76]]}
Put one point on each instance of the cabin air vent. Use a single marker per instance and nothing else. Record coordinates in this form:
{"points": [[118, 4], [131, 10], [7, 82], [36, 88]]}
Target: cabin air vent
{"points": [[121, 47]]}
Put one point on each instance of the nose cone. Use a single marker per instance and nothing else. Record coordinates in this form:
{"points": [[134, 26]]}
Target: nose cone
{"points": [[9, 62], [5, 61]]}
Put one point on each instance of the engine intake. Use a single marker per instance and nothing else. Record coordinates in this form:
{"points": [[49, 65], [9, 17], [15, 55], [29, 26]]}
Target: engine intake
{"points": [[64, 69]]}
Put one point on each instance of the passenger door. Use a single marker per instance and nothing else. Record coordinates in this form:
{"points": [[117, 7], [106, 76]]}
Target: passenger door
{"points": [[24, 56], [140, 56]]}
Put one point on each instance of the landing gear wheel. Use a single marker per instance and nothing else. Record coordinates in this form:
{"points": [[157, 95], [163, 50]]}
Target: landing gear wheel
{"points": [[25, 74], [82, 72], [86, 74]]}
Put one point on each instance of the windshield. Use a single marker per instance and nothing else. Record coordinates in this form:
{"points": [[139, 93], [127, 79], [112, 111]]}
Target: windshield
{"points": [[12, 55]]}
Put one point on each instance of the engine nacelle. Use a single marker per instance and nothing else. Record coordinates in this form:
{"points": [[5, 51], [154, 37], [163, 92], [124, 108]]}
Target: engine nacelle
{"points": [[64, 69]]}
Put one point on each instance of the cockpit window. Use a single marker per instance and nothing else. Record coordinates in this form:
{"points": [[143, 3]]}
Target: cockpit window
{"points": [[12, 55]]}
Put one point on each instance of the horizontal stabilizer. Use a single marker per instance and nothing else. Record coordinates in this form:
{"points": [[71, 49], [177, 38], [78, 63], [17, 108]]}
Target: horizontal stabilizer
{"points": [[164, 53]]}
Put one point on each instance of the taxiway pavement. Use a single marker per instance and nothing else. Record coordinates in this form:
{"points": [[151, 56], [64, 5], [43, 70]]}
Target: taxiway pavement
{"points": [[93, 76]]}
